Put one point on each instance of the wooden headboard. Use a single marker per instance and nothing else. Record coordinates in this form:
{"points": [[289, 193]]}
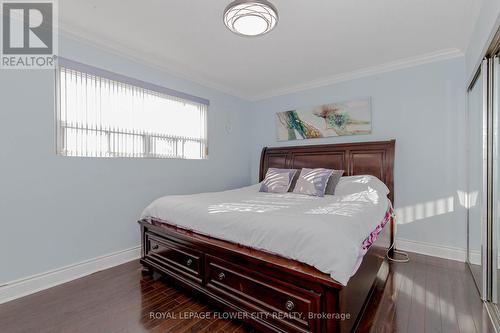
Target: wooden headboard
{"points": [[362, 158]]}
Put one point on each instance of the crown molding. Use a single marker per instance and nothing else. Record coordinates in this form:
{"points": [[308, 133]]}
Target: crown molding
{"points": [[149, 60], [364, 72], [192, 75]]}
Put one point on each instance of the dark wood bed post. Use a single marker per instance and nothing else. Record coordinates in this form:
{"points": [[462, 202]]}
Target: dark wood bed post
{"points": [[237, 278]]}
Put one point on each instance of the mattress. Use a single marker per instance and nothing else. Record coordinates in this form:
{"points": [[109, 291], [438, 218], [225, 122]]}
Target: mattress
{"points": [[327, 233]]}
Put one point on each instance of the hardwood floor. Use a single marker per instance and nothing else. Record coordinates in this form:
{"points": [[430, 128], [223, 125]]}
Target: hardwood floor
{"points": [[426, 295]]}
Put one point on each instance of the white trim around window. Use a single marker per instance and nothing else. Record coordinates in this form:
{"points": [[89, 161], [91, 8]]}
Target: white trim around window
{"points": [[102, 114]]}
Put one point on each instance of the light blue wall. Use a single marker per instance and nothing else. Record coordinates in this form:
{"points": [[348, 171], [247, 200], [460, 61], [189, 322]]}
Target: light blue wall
{"points": [[56, 211], [423, 109], [485, 28]]}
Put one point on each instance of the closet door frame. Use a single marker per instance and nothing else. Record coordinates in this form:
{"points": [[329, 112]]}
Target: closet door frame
{"points": [[482, 286]]}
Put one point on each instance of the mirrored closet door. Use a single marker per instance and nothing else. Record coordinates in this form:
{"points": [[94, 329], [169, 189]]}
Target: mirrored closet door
{"points": [[483, 180], [477, 176]]}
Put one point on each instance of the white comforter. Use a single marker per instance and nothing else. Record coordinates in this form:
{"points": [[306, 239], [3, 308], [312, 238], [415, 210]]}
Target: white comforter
{"points": [[326, 233]]}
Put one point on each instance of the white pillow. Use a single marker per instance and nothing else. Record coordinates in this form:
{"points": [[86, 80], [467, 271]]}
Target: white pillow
{"points": [[355, 184]]}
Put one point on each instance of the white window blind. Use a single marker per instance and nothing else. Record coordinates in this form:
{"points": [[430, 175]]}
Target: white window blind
{"points": [[99, 116]]}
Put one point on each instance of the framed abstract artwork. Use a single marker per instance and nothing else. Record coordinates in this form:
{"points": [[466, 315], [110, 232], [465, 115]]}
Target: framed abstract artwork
{"points": [[336, 119]]}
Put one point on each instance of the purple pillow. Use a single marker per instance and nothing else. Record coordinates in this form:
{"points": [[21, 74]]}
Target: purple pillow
{"points": [[330, 185], [277, 180], [312, 182]]}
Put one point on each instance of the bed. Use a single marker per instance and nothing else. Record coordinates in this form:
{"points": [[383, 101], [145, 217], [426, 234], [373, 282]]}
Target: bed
{"points": [[256, 254]]}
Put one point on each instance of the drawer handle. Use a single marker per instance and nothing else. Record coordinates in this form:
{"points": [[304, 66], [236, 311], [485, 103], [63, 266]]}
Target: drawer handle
{"points": [[155, 247], [289, 305], [222, 276], [189, 262]]}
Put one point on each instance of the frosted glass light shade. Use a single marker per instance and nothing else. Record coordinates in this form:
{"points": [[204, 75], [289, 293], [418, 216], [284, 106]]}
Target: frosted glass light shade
{"points": [[250, 18]]}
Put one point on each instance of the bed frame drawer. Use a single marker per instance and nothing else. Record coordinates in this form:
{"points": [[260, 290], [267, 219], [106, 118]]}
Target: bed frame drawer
{"points": [[285, 306], [175, 257]]}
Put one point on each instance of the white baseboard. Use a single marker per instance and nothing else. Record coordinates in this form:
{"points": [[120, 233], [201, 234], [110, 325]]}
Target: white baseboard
{"points": [[446, 252], [38, 282], [26, 286]]}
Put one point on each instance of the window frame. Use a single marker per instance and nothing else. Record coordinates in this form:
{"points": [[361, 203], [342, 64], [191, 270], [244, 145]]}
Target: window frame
{"points": [[122, 79]]}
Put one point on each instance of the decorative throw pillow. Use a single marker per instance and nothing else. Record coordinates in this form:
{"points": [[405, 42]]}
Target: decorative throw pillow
{"points": [[277, 180], [333, 181], [330, 185], [312, 181]]}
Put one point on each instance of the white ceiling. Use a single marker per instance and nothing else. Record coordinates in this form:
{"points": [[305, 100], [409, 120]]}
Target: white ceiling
{"points": [[315, 41]]}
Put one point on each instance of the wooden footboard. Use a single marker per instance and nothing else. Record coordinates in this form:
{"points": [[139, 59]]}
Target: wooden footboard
{"points": [[271, 293]]}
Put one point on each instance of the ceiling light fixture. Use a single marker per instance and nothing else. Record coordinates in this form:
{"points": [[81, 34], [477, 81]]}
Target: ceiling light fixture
{"points": [[250, 17]]}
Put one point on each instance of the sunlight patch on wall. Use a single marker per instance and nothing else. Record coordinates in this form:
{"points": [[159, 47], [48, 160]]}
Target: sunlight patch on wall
{"points": [[420, 211]]}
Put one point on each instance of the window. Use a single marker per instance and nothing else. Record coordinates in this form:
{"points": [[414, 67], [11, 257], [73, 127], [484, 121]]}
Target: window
{"points": [[102, 114]]}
